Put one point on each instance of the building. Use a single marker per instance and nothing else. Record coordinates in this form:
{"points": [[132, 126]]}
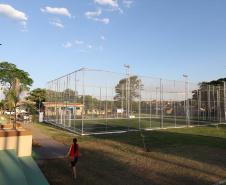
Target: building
{"points": [[22, 108], [52, 108]]}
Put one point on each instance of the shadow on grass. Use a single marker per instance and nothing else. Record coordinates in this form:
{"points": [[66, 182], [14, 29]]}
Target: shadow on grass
{"points": [[97, 167], [178, 156], [178, 144], [94, 168]]}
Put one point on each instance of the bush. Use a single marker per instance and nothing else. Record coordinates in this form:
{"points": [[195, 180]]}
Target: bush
{"points": [[34, 118]]}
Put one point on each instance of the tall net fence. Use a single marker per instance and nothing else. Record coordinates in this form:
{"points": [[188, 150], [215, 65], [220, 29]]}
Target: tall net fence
{"points": [[91, 101]]}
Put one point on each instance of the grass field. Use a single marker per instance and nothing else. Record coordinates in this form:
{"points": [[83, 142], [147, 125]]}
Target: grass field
{"points": [[177, 156], [116, 125]]}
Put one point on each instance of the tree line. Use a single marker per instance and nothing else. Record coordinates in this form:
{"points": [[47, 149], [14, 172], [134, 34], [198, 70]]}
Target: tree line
{"points": [[14, 81]]}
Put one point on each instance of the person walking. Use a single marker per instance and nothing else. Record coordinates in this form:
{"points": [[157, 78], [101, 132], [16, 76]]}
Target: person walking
{"points": [[74, 154]]}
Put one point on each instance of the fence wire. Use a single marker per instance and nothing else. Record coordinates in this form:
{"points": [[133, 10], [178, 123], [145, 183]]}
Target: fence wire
{"points": [[90, 101]]}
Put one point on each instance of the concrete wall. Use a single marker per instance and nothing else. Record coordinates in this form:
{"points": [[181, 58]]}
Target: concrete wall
{"points": [[20, 140]]}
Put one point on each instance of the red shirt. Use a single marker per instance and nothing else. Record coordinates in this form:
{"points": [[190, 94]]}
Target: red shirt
{"points": [[72, 151]]}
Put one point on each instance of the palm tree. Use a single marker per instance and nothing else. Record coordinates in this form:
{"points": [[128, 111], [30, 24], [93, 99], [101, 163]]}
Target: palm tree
{"points": [[16, 91], [9, 102], [3, 105], [13, 96]]}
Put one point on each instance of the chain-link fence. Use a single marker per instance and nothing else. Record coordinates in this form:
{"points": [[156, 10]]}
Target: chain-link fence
{"points": [[91, 101]]}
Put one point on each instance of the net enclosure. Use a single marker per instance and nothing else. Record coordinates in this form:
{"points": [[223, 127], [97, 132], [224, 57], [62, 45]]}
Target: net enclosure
{"points": [[90, 101]]}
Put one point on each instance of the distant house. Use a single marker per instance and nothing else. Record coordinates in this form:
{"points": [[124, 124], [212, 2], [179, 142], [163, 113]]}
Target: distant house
{"points": [[22, 108], [65, 107], [98, 111]]}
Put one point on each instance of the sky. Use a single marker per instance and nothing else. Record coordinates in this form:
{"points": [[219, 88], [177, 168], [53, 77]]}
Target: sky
{"points": [[157, 38]]}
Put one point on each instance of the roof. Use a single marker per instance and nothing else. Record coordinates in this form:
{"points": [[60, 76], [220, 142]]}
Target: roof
{"points": [[61, 104]]}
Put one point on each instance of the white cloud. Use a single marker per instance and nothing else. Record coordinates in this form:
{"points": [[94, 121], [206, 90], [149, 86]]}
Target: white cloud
{"points": [[120, 10], [113, 9], [23, 23], [112, 5], [67, 45], [89, 15], [56, 21], [90, 46], [79, 42], [105, 20], [57, 24], [127, 3], [61, 11], [102, 37], [8, 11], [107, 2]]}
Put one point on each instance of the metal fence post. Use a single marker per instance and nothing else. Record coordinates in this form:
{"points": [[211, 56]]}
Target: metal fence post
{"points": [[174, 106], [224, 104], [161, 102], [150, 102], [139, 102], [75, 100], [83, 100], [107, 104]]}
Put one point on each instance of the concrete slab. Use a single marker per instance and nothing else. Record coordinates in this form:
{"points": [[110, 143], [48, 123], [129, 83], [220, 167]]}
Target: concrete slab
{"points": [[33, 174], [10, 169]]}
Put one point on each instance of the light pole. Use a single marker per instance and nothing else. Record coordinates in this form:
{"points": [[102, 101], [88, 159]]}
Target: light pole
{"points": [[156, 102], [128, 91], [187, 100]]}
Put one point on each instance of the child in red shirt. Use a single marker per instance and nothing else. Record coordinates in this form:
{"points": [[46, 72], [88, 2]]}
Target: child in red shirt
{"points": [[73, 151]]}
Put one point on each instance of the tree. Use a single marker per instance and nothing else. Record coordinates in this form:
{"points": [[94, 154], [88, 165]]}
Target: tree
{"points": [[9, 101], [32, 107], [68, 95], [216, 92], [90, 102], [206, 96], [204, 88], [219, 82], [37, 95], [120, 89], [135, 106], [3, 105], [13, 95], [9, 71]]}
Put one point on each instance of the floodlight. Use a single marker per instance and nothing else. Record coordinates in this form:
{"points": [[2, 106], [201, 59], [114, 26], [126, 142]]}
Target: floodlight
{"points": [[128, 66]]}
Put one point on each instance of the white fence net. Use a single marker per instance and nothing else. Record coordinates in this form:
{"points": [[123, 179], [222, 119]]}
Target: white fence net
{"points": [[90, 101]]}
